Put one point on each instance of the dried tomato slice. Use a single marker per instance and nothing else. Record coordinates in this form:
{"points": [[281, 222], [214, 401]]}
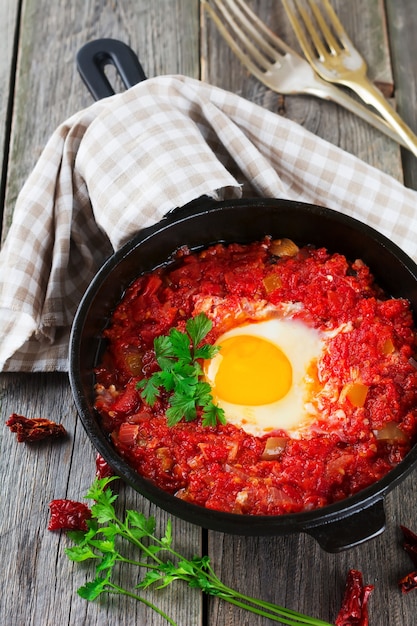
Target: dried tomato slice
{"points": [[103, 469], [354, 610], [68, 515], [34, 429]]}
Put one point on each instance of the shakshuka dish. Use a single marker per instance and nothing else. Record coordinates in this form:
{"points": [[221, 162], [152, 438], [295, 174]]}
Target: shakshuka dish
{"points": [[301, 392]]}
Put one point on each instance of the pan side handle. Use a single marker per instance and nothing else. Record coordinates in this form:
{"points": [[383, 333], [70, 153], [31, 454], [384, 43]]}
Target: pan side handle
{"points": [[361, 526], [95, 55]]}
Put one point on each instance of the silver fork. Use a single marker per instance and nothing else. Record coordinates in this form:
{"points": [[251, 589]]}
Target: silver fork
{"points": [[275, 64], [333, 56]]}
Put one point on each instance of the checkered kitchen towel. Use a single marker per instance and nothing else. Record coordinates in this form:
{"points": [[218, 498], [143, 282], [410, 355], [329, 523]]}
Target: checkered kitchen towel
{"points": [[124, 162]]}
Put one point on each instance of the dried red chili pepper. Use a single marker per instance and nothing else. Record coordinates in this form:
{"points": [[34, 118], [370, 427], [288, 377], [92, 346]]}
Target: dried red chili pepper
{"points": [[410, 543], [103, 469], [354, 610], [68, 515], [408, 583], [34, 429]]}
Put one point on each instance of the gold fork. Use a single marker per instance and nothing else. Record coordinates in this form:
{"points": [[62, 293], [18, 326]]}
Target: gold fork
{"points": [[332, 55], [276, 65]]}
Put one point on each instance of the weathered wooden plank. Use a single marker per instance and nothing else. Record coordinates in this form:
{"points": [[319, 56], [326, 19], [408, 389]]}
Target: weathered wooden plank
{"points": [[402, 18], [9, 14]]}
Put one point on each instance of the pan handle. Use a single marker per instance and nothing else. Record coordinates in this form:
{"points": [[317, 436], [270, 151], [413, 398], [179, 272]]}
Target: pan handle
{"points": [[351, 531], [95, 55]]}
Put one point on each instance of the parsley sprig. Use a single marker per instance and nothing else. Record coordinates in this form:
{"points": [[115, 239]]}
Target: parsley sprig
{"points": [[178, 355], [108, 535]]}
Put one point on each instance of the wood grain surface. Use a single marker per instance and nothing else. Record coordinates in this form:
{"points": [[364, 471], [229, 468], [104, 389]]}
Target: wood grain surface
{"points": [[175, 36], [9, 17]]}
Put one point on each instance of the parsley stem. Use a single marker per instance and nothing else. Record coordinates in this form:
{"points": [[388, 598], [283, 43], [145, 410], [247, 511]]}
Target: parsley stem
{"points": [[115, 589], [233, 596], [132, 539], [260, 607], [274, 612]]}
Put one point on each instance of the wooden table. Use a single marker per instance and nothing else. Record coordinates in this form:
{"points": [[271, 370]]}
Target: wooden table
{"points": [[40, 88]]}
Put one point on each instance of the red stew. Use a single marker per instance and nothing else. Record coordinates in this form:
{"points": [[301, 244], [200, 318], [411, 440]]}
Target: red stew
{"points": [[367, 390]]}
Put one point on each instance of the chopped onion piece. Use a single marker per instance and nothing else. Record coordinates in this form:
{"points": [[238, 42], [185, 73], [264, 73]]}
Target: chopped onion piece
{"points": [[274, 447], [272, 282], [412, 361], [391, 433]]}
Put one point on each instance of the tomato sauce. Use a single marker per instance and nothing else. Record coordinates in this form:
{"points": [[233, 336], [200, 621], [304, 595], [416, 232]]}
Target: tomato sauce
{"points": [[366, 392]]}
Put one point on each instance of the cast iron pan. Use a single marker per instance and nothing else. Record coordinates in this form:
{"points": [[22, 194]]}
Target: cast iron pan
{"points": [[199, 224]]}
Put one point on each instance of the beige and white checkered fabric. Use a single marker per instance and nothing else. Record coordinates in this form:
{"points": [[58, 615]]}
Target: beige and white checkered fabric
{"points": [[125, 161]]}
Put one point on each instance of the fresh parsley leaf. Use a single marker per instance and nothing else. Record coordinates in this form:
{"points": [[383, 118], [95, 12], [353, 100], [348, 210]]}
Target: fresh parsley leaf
{"points": [[212, 415], [181, 345], [198, 328], [80, 553], [203, 393], [163, 347], [178, 354], [181, 406], [151, 387], [141, 522], [206, 352], [92, 589], [107, 562]]}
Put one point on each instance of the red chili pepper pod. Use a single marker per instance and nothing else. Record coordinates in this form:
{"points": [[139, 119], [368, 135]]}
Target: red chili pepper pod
{"points": [[408, 583], [410, 543], [354, 609]]}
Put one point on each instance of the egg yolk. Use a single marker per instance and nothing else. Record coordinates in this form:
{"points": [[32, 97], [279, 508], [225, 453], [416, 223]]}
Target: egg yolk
{"points": [[252, 371]]}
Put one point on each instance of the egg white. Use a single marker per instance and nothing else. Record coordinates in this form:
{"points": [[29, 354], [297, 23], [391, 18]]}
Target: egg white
{"points": [[301, 345]]}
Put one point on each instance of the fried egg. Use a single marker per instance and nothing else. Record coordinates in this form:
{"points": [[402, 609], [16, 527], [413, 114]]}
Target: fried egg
{"points": [[265, 374]]}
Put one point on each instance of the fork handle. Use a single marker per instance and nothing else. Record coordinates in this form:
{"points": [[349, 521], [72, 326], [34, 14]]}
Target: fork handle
{"points": [[328, 91], [370, 94]]}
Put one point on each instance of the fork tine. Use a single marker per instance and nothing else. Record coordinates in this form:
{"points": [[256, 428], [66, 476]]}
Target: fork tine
{"points": [[240, 53], [313, 47], [333, 44], [257, 37], [261, 47], [336, 23], [254, 43], [250, 19], [330, 40]]}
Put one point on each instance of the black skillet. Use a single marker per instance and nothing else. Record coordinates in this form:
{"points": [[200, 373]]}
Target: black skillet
{"points": [[199, 224]]}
